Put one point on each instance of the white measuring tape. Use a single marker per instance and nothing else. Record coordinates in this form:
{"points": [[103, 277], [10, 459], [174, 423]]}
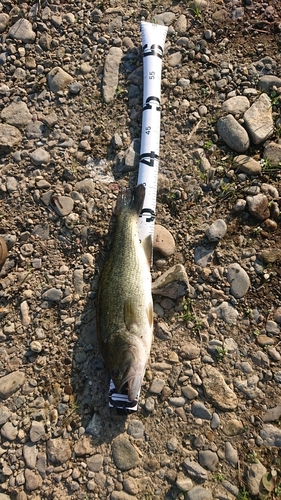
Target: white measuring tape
{"points": [[153, 41]]}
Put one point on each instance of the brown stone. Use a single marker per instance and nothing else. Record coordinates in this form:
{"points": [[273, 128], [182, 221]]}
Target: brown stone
{"points": [[270, 255], [264, 340], [163, 241]]}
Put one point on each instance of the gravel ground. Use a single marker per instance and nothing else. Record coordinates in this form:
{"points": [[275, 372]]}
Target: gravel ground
{"points": [[208, 422]]}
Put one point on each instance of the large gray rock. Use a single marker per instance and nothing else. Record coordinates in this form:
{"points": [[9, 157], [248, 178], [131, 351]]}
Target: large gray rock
{"points": [[238, 279], [254, 474], [208, 459], [30, 453], [52, 294], [32, 480], [22, 30], [86, 186], [272, 153], [124, 454], [236, 105], [95, 462], [9, 384], [258, 119], [5, 414], [4, 21], [217, 230], [271, 435], [122, 495], [166, 18], [247, 165], [258, 206], [16, 114], [181, 25], [37, 431], [84, 446], [226, 312], [198, 493], [203, 255], [249, 387], [111, 73], [174, 59], [58, 79], [194, 470], [45, 41], [231, 455], [132, 156], [199, 410], [266, 82], [63, 205], [183, 483], [35, 130], [58, 450], [9, 137], [233, 134], [172, 283], [217, 391], [9, 431], [40, 156]]}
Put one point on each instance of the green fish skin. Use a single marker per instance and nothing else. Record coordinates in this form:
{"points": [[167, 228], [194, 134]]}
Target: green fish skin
{"points": [[125, 307]]}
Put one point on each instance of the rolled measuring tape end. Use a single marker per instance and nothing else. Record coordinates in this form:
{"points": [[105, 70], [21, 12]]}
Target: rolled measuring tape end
{"points": [[153, 41]]}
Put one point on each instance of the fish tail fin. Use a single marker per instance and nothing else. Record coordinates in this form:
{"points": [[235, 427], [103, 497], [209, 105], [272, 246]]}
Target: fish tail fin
{"points": [[130, 199]]}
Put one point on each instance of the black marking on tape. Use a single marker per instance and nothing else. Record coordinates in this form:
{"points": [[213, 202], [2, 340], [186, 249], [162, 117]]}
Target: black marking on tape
{"points": [[155, 50], [152, 155], [150, 212], [149, 106]]}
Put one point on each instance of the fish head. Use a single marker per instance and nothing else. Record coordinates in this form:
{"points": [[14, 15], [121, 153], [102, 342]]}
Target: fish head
{"points": [[127, 368]]}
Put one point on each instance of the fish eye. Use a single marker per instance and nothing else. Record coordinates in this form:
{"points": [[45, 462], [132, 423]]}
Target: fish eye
{"points": [[115, 373]]}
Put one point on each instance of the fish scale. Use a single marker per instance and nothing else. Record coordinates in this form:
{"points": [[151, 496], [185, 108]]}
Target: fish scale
{"points": [[125, 308], [127, 285]]}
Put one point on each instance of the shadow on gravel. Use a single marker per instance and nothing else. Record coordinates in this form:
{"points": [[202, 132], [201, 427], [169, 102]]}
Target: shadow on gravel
{"points": [[90, 382], [89, 377]]}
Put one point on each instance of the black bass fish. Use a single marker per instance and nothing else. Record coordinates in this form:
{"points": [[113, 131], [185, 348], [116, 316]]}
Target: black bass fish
{"points": [[125, 307]]}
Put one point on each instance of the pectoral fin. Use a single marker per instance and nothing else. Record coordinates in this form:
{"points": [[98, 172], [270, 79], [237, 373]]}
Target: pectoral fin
{"points": [[150, 313], [130, 314], [147, 246]]}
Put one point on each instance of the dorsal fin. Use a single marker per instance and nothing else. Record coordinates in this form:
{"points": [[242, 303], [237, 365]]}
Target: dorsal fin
{"points": [[130, 199]]}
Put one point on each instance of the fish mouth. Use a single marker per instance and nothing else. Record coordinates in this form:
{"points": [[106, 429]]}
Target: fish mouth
{"points": [[131, 382]]}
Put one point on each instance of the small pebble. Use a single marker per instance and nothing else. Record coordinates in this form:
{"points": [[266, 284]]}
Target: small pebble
{"points": [[216, 231], [35, 346], [149, 404], [177, 401]]}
